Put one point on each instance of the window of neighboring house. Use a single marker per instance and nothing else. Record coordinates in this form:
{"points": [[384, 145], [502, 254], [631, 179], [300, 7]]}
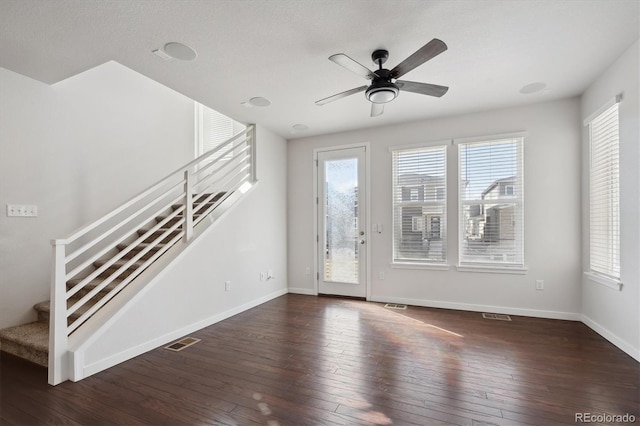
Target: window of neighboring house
{"points": [[211, 129], [419, 193], [604, 195], [414, 192], [417, 223], [491, 228], [508, 190]]}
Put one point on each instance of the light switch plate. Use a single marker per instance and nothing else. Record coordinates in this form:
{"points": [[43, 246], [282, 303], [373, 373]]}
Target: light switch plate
{"points": [[22, 210]]}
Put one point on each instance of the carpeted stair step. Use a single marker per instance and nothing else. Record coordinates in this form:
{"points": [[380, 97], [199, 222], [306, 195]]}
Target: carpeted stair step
{"points": [[44, 308], [137, 249], [156, 234], [28, 341], [117, 264], [199, 199], [93, 284]]}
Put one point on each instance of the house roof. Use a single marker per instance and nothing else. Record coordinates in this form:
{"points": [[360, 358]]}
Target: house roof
{"points": [[278, 49], [510, 179]]}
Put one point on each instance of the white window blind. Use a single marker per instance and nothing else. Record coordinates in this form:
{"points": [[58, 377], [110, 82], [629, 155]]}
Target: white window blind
{"points": [[212, 129], [491, 197], [604, 194], [420, 205]]}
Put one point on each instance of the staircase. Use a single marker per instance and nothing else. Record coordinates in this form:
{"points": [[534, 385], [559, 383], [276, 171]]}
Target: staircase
{"points": [[93, 265], [31, 341]]}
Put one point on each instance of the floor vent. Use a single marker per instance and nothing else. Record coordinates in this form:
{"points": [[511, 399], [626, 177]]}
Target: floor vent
{"points": [[395, 306], [182, 343], [499, 317]]}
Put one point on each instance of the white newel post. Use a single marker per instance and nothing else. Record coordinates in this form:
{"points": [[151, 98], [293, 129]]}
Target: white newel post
{"points": [[58, 339], [188, 203]]}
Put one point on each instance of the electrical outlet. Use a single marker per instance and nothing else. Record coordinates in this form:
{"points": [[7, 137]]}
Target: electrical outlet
{"points": [[381, 275], [263, 276], [270, 274], [227, 285], [539, 284], [307, 271]]}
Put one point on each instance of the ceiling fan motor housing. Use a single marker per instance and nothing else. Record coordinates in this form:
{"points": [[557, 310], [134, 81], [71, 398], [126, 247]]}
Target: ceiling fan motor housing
{"points": [[382, 90], [380, 57]]}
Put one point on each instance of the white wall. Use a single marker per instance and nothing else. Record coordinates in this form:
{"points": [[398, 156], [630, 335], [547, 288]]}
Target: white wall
{"points": [[77, 149], [251, 238], [616, 314], [552, 214]]}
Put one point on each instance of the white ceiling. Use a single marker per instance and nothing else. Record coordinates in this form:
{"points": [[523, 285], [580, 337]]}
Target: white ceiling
{"points": [[278, 49]]}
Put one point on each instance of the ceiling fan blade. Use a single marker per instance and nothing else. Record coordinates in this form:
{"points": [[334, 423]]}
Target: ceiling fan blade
{"points": [[376, 109], [341, 95], [422, 88], [353, 66], [422, 55]]}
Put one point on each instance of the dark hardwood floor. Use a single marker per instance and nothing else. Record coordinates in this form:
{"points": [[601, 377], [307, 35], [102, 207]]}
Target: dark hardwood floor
{"points": [[303, 360]]}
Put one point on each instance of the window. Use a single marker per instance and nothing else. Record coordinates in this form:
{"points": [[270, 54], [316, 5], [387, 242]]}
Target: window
{"points": [[419, 205], [212, 129], [604, 195], [491, 228], [508, 190]]}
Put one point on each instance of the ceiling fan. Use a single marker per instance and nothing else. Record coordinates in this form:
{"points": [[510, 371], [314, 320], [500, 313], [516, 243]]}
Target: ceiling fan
{"points": [[382, 88]]}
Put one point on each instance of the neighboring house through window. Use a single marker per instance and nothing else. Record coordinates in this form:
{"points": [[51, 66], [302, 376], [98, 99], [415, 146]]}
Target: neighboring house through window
{"points": [[491, 197], [419, 205]]}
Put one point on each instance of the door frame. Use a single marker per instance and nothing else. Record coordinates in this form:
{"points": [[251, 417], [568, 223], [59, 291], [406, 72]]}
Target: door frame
{"points": [[367, 214]]}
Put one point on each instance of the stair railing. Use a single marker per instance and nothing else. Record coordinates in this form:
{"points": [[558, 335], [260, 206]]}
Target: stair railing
{"points": [[95, 263]]}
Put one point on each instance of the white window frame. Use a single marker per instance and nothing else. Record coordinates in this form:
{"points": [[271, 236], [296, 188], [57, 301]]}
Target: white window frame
{"points": [[604, 169], [402, 262], [467, 265]]}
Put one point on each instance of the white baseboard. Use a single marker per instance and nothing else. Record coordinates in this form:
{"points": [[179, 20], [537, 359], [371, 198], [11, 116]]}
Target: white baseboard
{"points": [[299, 290], [571, 316], [115, 359], [611, 337]]}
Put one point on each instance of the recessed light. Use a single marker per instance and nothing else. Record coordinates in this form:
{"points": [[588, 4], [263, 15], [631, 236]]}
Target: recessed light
{"points": [[259, 101], [180, 51], [533, 88], [300, 127]]}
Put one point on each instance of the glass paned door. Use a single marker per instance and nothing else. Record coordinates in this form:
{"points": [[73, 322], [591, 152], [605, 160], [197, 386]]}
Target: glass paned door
{"points": [[341, 227]]}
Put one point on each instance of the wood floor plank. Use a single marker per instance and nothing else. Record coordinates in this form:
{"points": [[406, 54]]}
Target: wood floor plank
{"points": [[304, 360]]}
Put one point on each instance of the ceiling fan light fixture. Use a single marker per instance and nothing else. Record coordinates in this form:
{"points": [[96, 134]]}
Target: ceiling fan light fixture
{"points": [[382, 92]]}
